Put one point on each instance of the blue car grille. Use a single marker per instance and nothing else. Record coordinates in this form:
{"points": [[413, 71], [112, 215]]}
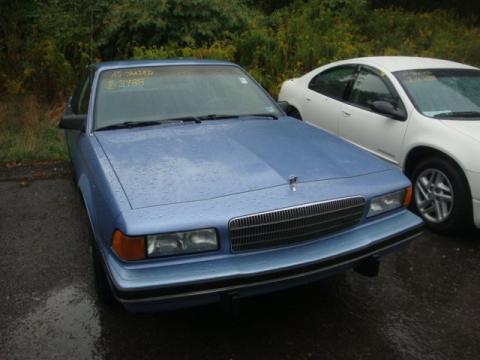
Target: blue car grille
{"points": [[295, 224]]}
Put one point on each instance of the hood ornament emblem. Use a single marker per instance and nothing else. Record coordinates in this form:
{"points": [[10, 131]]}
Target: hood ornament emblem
{"points": [[292, 180]]}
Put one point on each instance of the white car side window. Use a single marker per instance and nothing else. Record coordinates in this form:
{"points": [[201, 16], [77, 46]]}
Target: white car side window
{"points": [[333, 82], [370, 87]]}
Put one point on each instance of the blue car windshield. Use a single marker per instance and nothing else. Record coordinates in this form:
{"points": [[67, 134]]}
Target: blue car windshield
{"points": [[157, 93], [443, 93]]}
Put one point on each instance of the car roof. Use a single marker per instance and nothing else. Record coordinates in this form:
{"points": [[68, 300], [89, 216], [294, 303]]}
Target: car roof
{"points": [[399, 63], [162, 62]]}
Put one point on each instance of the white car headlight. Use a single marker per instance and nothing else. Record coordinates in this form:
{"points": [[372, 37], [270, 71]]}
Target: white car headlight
{"points": [[389, 202], [185, 242]]}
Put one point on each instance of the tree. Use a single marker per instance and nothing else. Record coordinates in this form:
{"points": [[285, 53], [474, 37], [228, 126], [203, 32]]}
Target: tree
{"points": [[155, 23]]}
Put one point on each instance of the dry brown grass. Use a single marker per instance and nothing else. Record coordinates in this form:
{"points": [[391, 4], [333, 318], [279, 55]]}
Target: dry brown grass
{"points": [[28, 130]]}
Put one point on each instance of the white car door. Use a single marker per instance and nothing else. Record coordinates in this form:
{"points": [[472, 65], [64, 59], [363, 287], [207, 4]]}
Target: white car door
{"points": [[359, 124], [322, 103]]}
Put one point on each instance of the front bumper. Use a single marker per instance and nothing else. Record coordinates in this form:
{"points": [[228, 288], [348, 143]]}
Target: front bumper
{"points": [[476, 213], [157, 285], [474, 181]]}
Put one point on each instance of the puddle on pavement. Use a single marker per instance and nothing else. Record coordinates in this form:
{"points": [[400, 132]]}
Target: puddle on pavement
{"points": [[65, 326], [24, 183]]}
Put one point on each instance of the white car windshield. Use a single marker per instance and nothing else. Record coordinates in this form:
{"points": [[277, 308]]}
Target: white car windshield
{"points": [[177, 92], [443, 93]]}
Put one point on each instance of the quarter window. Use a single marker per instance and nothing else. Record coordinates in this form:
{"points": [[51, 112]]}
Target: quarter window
{"points": [[333, 82], [370, 87]]}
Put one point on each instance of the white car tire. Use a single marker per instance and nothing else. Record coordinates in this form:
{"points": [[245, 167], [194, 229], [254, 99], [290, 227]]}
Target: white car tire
{"points": [[441, 195]]}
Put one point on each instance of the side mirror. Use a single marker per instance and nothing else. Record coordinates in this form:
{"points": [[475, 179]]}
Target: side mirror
{"points": [[388, 109], [284, 105], [73, 122]]}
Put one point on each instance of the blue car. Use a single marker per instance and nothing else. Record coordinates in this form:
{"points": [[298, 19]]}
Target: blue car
{"points": [[199, 188]]}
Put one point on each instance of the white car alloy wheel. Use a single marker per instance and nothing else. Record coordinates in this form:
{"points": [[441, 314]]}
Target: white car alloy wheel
{"points": [[434, 195]]}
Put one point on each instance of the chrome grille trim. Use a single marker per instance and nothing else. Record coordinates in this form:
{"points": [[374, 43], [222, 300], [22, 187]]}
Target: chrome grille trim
{"points": [[294, 224]]}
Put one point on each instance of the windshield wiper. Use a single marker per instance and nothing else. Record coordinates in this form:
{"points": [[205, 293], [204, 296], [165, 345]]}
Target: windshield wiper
{"points": [[194, 119], [265, 115], [219, 117], [132, 124], [216, 117], [129, 124], [458, 114]]}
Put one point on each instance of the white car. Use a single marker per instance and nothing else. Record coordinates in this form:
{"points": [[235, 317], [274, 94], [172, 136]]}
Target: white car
{"points": [[423, 115]]}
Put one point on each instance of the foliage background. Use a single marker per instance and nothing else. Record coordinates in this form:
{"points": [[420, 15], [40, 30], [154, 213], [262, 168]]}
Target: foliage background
{"points": [[45, 44]]}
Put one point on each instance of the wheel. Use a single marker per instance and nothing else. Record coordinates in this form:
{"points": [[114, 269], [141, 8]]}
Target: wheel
{"points": [[441, 195], [74, 173], [102, 286], [293, 112], [72, 167]]}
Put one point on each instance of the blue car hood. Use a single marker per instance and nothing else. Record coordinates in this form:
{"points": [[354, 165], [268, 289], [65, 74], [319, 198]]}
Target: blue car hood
{"points": [[183, 162]]}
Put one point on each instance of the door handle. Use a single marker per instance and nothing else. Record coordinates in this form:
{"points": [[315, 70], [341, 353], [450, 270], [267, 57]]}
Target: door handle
{"points": [[346, 113], [308, 99]]}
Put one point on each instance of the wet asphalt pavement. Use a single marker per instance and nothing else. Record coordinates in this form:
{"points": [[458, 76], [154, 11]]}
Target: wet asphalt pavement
{"points": [[425, 304]]}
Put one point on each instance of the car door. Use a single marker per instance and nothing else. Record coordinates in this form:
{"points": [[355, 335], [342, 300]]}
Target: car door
{"points": [[359, 124], [78, 105], [323, 96]]}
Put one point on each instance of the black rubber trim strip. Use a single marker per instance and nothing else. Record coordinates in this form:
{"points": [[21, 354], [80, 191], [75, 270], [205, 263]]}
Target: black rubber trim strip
{"points": [[261, 279]]}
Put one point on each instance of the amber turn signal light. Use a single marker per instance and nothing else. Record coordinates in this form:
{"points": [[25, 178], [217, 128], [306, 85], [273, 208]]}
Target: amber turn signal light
{"points": [[407, 198], [127, 247]]}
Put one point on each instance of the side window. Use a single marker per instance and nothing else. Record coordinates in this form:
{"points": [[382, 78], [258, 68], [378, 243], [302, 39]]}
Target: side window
{"points": [[333, 82], [81, 97], [370, 87], [84, 98]]}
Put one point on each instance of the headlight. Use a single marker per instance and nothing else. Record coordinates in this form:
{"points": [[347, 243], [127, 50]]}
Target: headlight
{"points": [[182, 242], [388, 202]]}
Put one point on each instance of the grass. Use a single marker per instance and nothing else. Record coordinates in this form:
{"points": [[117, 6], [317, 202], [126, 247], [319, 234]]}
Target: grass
{"points": [[28, 131]]}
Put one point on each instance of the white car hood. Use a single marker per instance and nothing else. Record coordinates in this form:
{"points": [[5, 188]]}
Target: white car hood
{"points": [[470, 128]]}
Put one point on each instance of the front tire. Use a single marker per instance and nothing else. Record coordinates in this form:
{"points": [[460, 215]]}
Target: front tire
{"points": [[441, 195], [102, 286]]}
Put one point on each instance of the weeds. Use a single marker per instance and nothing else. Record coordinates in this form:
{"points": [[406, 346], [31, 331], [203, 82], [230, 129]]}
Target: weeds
{"points": [[28, 131]]}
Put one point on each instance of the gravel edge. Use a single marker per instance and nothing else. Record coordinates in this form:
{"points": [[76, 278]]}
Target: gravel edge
{"points": [[35, 170]]}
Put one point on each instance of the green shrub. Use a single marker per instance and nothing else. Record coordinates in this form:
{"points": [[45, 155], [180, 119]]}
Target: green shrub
{"points": [[157, 23], [299, 38], [219, 50]]}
